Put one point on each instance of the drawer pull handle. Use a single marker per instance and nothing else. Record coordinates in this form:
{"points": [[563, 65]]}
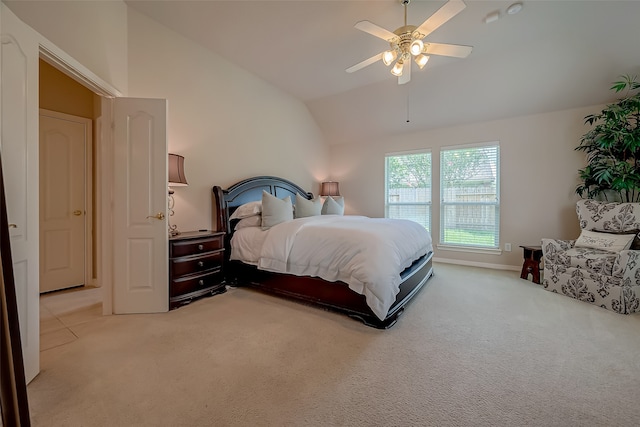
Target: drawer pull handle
{"points": [[201, 282], [13, 226], [200, 264], [200, 247]]}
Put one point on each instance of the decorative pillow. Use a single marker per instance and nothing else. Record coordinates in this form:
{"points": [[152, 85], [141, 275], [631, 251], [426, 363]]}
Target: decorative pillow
{"points": [[635, 244], [252, 221], [606, 241], [333, 206], [305, 208], [247, 210], [275, 211]]}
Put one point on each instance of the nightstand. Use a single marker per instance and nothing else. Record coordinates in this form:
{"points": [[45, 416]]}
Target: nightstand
{"points": [[195, 266]]}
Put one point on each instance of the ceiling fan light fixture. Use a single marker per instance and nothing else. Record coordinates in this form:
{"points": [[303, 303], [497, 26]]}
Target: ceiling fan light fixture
{"points": [[416, 47], [397, 68], [421, 60], [389, 56], [407, 42]]}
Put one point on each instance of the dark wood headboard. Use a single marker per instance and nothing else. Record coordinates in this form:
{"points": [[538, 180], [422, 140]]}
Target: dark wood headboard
{"points": [[249, 190]]}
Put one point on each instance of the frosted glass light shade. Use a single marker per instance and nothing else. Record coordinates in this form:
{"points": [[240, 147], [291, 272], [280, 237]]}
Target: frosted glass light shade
{"points": [[421, 60], [397, 69], [416, 47], [389, 56]]}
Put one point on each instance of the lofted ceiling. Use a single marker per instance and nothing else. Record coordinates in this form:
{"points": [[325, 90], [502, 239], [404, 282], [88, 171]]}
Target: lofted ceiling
{"points": [[552, 55]]}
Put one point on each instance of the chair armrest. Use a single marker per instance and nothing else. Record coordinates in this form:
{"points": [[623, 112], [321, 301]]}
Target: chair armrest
{"points": [[552, 248], [627, 266]]}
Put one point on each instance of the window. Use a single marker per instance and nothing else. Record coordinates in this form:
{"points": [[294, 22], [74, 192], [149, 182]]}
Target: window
{"points": [[408, 187], [469, 189]]}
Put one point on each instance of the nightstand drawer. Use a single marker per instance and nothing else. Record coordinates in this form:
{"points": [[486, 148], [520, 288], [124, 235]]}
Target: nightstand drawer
{"points": [[196, 246], [196, 264], [193, 283]]}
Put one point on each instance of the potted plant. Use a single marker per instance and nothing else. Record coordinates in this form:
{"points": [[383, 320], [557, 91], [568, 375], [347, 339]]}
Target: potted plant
{"points": [[612, 147]]}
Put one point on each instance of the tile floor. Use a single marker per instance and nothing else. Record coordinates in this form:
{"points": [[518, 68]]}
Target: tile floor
{"points": [[60, 311]]}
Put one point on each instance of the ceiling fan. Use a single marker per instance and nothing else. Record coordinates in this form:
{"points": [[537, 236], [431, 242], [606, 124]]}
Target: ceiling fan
{"points": [[407, 43]]}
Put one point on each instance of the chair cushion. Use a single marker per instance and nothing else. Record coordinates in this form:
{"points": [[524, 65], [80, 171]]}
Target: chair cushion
{"points": [[590, 259]]}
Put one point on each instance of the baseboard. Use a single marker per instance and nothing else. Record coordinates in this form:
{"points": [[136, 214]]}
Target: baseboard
{"points": [[478, 264]]}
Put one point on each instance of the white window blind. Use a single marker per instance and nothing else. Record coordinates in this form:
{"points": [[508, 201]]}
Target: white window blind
{"points": [[408, 187], [469, 189]]}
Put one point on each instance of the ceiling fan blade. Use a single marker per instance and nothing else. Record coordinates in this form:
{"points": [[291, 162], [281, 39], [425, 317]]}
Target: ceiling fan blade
{"points": [[375, 30], [364, 63], [455, 50], [442, 15], [406, 74]]}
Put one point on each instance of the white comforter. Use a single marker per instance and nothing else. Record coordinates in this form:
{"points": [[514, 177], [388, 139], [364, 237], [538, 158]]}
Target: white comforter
{"points": [[366, 253]]}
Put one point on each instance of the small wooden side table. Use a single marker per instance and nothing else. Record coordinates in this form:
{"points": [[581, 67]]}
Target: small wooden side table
{"points": [[532, 257]]}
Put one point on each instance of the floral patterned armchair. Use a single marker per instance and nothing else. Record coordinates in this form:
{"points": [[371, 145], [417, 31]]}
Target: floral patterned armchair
{"points": [[608, 278]]}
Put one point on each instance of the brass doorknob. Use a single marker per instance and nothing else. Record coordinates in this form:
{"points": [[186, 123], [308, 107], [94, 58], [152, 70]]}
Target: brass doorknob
{"points": [[159, 215], [77, 213]]}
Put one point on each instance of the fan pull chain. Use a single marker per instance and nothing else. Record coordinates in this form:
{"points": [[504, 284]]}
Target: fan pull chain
{"points": [[408, 108]]}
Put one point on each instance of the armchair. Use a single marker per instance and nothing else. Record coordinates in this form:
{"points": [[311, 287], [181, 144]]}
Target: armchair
{"points": [[602, 266]]}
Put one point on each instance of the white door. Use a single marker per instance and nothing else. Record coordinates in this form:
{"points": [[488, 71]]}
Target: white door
{"points": [[140, 246], [63, 211], [19, 145]]}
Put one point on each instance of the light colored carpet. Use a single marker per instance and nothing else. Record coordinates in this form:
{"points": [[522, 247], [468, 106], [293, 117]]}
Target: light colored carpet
{"points": [[476, 347]]}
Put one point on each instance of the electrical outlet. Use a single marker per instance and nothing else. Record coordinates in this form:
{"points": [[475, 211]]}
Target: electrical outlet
{"points": [[507, 247]]}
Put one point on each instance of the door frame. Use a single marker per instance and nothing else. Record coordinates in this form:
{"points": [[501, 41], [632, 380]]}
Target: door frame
{"points": [[104, 172], [88, 190]]}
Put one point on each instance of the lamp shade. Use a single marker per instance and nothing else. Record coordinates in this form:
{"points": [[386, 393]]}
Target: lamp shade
{"points": [[176, 171], [329, 188]]}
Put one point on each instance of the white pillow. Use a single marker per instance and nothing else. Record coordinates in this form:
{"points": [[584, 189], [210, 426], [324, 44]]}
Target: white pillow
{"points": [[606, 241], [252, 221], [333, 206], [275, 211], [247, 210], [305, 208]]}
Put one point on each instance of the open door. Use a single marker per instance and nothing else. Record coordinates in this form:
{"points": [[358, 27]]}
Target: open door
{"points": [[140, 245], [13, 388], [19, 146]]}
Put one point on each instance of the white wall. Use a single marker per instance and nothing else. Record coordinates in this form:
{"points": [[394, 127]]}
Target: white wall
{"points": [[94, 33], [228, 124], [538, 176]]}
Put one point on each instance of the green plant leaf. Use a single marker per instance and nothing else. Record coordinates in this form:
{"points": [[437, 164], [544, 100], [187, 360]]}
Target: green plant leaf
{"points": [[612, 146]]}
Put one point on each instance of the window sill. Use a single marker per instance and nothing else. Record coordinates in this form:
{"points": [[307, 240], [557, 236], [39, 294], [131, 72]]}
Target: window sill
{"points": [[476, 250]]}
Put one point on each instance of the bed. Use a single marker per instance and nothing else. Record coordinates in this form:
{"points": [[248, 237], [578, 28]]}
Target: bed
{"points": [[329, 294]]}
